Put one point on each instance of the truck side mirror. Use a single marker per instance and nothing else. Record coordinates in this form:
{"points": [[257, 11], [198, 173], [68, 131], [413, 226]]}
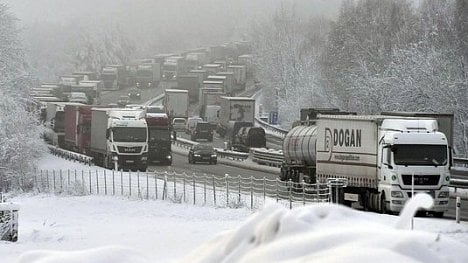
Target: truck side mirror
{"points": [[107, 134]]}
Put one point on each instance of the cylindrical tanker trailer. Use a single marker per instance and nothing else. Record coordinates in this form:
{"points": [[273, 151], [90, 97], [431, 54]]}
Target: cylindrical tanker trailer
{"points": [[299, 151], [384, 159]]}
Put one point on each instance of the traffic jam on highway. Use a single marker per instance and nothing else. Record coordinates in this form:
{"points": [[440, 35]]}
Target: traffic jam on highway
{"points": [[380, 161]]}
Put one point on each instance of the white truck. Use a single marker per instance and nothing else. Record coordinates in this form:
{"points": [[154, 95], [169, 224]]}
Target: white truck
{"points": [[235, 109], [381, 157], [119, 138], [176, 103]]}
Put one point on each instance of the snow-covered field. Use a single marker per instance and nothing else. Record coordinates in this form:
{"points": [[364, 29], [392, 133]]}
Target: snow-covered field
{"points": [[115, 229]]}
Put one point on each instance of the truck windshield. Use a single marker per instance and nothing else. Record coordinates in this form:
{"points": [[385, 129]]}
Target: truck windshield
{"points": [[129, 134], [170, 67], [159, 135], [108, 77], [144, 73], [414, 154]]}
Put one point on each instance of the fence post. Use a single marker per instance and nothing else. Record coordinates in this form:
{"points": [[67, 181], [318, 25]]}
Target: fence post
{"points": [[155, 186], [42, 181], [204, 188], [193, 182], [214, 191], [175, 191], [105, 182], [53, 176], [277, 190], [264, 189], [164, 187], [61, 181], [457, 209], [303, 192], [129, 182], [48, 183], [90, 189], [97, 182], [251, 192], [239, 190], [68, 180], [75, 180], [121, 182], [147, 186], [138, 184], [113, 182], [82, 181], [290, 193], [227, 189], [183, 183]]}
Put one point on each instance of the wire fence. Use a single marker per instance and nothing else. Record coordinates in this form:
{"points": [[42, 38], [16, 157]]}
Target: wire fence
{"points": [[197, 189]]}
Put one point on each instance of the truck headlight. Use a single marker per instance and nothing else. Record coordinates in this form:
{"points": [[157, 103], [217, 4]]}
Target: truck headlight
{"points": [[144, 158], [169, 157], [196, 155], [397, 194], [213, 155], [443, 194]]}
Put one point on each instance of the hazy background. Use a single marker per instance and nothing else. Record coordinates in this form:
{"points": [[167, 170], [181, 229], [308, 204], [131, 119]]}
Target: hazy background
{"points": [[60, 33]]}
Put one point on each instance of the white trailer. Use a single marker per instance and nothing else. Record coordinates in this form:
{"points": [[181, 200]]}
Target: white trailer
{"points": [[235, 109], [176, 103], [382, 158]]}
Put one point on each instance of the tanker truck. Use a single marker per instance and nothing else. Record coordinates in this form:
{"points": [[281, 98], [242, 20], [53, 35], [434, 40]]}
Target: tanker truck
{"points": [[381, 157]]}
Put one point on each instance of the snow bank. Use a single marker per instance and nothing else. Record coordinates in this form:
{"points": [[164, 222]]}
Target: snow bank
{"points": [[328, 234]]}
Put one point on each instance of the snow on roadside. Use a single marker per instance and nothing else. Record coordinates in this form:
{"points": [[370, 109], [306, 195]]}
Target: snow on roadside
{"points": [[100, 228]]}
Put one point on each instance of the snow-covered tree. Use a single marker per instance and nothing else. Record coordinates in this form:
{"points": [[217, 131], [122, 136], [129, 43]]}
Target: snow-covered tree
{"points": [[287, 51], [20, 142]]}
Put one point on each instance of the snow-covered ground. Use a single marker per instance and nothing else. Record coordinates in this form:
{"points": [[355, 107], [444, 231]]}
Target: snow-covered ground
{"points": [[116, 229]]}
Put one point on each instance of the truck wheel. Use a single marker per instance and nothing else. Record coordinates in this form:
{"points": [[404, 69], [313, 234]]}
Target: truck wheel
{"points": [[383, 204]]}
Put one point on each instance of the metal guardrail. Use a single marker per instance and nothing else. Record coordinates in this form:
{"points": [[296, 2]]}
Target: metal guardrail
{"points": [[69, 155], [267, 157]]}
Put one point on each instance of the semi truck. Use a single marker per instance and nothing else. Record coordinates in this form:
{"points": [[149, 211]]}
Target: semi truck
{"points": [[176, 103], [114, 77], [191, 83], [148, 75], [210, 97], [159, 138], [172, 67], [119, 138], [240, 77], [381, 159], [240, 109], [78, 128]]}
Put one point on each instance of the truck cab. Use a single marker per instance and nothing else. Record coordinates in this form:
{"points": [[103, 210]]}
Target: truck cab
{"points": [[416, 155]]}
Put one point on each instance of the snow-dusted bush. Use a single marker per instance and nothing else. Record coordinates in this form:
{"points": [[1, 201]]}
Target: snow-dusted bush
{"points": [[20, 142]]}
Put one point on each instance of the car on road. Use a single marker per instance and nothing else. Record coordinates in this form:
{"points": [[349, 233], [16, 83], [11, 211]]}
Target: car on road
{"points": [[134, 94], [123, 101], [202, 153], [202, 130], [191, 122]]}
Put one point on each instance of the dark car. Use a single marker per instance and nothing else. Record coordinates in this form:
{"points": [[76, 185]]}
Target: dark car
{"points": [[202, 153], [134, 94], [202, 130]]}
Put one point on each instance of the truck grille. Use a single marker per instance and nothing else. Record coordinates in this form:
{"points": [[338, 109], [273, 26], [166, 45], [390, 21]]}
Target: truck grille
{"points": [[432, 179], [122, 149]]}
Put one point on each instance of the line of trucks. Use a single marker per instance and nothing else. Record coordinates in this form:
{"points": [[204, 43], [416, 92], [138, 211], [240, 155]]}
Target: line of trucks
{"points": [[122, 138], [382, 160], [233, 118]]}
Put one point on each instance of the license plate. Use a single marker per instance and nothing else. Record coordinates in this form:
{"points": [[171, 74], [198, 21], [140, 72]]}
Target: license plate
{"points": [[129, 161], [206, 158]]}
